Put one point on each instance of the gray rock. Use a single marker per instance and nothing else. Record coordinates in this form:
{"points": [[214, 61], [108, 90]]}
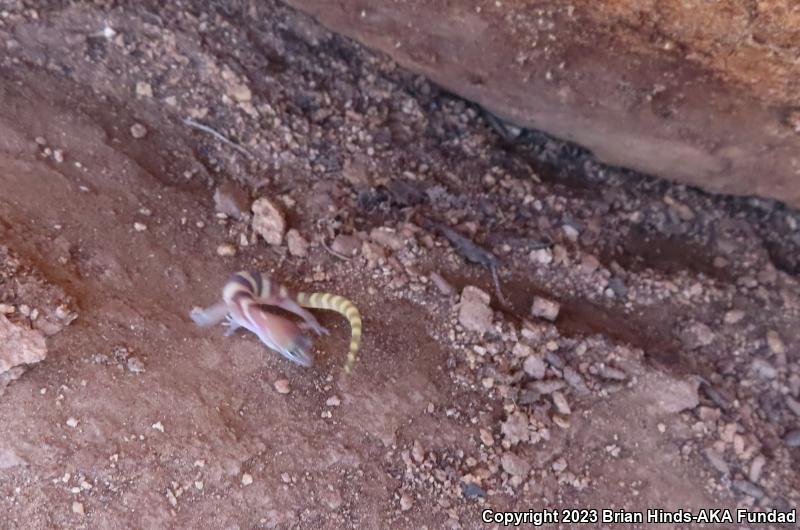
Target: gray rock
{"points": [[575, 380], [697, 335], [672, 395], [19, 345], [793, 405], [748, 488], [763, 369], [387, 238], [298, 245], [756, 467], [534, 366], [547, 387], [515, 428], [268, 221], [545, 308], [611, 373], [472, 491], [346, 245], [561, 404], [474, 312], [514, 465], [792, 439]]}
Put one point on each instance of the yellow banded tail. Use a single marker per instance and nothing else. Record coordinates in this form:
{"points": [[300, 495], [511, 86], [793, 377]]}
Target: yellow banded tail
{"points": [[344, 307]]}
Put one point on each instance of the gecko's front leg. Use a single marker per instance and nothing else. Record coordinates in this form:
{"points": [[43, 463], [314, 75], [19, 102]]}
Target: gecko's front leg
{"points": [[210, 315], [231, 324]]}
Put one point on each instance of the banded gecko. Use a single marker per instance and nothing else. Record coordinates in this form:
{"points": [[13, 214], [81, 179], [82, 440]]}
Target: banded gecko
{"points": [[243, 297]]}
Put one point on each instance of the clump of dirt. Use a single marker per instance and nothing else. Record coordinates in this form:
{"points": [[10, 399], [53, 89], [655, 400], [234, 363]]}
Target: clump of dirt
{"points": [[658, 368]]}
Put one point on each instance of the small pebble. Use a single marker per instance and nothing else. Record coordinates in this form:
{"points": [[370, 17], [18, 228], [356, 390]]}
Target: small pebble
{"points": [[775, 343], [173, 501], [138, 131], [143, 89], [298, 245], [77, 507], [534, 366], [333, 401], [733, 317], [486, 438], [158, 426], [764, 369], [346, 245], [282, 386], [561, 404], [247, 479], [542, 256], [72, 422], [135, 365], [748, 488], [268, 221], [406, 502], [474, 311], [545, 308], [226, 250], [387, 238], [571, 232], [514, 465], [559, 465], [472, 491], [793, 405], [792, 439], [697, 335], [756, 467], [139, 227]]}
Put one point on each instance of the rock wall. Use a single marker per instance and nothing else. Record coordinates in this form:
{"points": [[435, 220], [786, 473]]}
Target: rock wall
{"points": [[701, 93]]}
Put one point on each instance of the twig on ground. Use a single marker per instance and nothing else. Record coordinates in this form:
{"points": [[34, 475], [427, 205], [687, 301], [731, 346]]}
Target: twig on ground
{"points": [[205, 128]]}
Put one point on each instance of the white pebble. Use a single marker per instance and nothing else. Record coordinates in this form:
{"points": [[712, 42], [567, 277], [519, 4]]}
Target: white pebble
{"points": [[226, 250]]}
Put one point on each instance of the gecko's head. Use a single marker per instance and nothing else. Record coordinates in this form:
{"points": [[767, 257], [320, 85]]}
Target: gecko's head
{"points": [[299, 351], [279, 334]]}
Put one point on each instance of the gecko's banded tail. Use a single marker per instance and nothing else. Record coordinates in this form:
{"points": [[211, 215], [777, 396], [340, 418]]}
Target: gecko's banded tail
{"points": [[344, 307]]}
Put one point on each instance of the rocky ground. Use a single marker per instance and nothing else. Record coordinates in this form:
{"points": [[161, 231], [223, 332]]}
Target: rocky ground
{"points": [[639, 348]]}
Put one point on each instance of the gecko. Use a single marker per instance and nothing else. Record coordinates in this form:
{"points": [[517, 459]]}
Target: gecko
{"points": [[245, 293]]}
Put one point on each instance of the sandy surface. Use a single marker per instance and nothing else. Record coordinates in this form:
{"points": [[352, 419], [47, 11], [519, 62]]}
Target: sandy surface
{"points": [[668, 378]]}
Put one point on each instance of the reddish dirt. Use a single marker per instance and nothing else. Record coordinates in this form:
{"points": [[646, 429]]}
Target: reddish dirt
{"points": [[672, 365]]}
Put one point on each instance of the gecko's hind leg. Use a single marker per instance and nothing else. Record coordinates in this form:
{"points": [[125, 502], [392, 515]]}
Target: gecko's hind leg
{"points": [[320, 330]]}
